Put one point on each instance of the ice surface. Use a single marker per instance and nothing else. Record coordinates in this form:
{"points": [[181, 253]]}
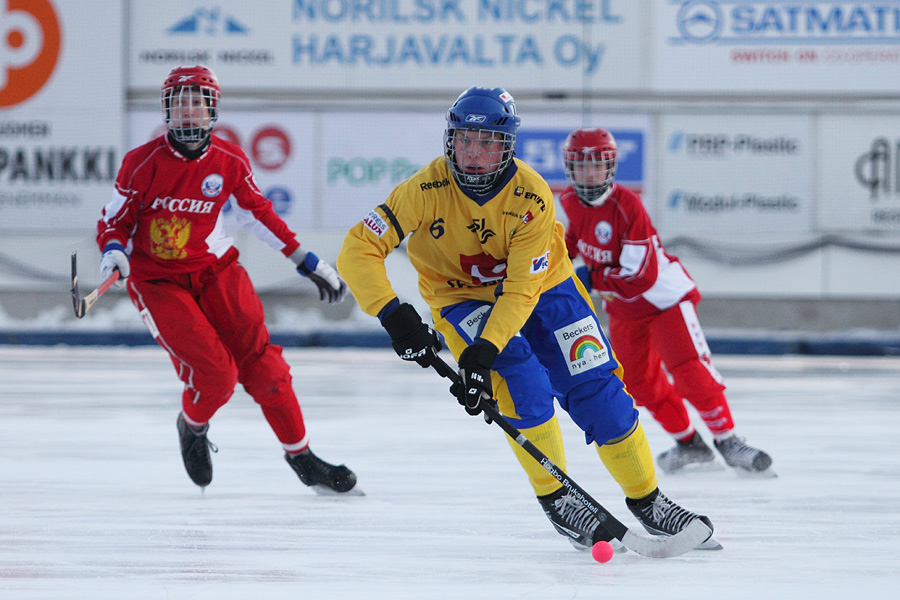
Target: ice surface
{"points": [[94, 501]]}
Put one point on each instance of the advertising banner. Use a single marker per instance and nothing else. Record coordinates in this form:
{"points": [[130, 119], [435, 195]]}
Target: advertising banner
{"points": [[61, 112], [347, 45], [328, 170], [859, 179], [542, 137], [365, 155], [744, 176], [786, 47]]}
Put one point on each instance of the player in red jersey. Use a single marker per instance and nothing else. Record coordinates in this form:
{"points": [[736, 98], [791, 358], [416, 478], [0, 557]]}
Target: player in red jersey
{"points": [[163, 232], [651, 302]]}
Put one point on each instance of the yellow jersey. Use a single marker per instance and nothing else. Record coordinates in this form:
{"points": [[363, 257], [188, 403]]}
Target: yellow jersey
{"points": [[505, 248]]}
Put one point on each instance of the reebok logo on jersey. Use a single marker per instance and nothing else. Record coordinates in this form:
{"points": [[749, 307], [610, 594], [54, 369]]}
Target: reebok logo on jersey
{"points": [[375, 223], [429, 185], [541, 263]]}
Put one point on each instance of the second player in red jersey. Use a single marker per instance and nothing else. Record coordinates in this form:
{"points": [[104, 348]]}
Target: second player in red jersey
{"points": [[651, 302]]}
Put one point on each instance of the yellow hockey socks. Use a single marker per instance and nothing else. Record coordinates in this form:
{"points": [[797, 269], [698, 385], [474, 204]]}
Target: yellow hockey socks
{"points": [[630, 462], [548, 439]]}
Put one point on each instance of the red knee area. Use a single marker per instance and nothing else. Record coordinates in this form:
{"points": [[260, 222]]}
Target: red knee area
{"points": [[266, 376], [698, 381], [207, 390]]}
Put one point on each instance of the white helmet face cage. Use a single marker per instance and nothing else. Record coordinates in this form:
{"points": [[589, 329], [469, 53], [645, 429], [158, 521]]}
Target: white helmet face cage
{"points": [[481, 167], [190, 112], [596, 173]]}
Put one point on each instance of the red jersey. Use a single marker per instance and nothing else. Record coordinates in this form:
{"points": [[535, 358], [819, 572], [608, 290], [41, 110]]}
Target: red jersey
{"points": [[167, 209], [620, 246]]}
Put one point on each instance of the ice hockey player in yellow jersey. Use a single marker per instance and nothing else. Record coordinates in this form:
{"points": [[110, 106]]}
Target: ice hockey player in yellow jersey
{"points": [[493, 267]]}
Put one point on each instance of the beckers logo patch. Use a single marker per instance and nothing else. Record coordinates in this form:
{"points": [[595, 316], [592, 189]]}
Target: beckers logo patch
{"points": [[471, 323], [375, 223], [582, 345]]}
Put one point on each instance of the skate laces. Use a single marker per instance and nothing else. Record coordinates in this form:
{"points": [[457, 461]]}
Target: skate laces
{"points": [[575, 514], [736, 450], [316, 469], [666, 516], [200, 447], [317, 466]]}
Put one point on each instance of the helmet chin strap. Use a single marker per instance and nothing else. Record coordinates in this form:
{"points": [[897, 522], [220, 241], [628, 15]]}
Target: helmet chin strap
{"points": [[599, 199], [190, 153]]}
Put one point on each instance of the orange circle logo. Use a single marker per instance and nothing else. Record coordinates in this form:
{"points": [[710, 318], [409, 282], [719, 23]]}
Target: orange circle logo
{"points": [[29, 48]]}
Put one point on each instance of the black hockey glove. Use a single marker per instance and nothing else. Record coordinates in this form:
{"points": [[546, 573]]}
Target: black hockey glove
{"points": [[412, 339], [475, 371]]}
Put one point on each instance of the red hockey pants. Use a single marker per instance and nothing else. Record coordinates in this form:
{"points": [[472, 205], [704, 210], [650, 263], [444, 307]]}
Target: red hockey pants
{"points": [[672, 338], [212, 325]]}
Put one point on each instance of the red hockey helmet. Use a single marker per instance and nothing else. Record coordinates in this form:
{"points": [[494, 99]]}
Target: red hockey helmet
{"points": [[590, 159], [190, 103]]}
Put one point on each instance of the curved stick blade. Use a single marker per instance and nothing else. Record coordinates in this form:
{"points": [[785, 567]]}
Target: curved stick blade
{"points": [[668, 546]]}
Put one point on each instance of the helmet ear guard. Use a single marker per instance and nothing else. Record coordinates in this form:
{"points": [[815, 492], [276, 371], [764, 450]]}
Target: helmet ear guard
{"points": [[593, 153], [185, 87], [480, 110]]}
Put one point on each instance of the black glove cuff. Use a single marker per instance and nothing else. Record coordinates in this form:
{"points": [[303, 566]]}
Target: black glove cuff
{"points": [[480, 354], [403, 322]]}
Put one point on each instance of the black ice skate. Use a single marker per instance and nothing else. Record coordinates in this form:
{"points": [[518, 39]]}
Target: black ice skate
{"points": [[195, 449], [661, 516], [574, 521], [693, 453], [744, 458], [322, 477]]}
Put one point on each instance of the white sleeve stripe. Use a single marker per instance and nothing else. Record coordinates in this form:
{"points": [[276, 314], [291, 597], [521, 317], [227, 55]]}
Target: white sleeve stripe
{"points": [[248, 220], [633, 260], [114, 206]]}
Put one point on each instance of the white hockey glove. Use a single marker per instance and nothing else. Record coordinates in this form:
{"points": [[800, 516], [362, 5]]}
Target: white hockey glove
{"points": [[115, 259], [331, 287]]}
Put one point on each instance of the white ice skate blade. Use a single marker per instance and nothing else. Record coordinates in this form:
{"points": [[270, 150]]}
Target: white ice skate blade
{"points": [[712, 466], [327, 491], [767, 474], [711, 544]]}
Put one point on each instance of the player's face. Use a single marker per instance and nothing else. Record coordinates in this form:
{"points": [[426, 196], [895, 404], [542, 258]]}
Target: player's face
{"points": [[591, 170], [188, 109], [478, 152], [188, 106]]}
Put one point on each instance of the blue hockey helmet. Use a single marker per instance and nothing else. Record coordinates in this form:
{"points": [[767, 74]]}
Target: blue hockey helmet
{"points": [[486, 115]]}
